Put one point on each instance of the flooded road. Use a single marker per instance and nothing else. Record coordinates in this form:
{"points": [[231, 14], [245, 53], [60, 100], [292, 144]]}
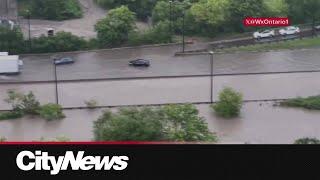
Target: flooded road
{"points": [[114, 64], [45, 93], [260, 123], [172, 90]]}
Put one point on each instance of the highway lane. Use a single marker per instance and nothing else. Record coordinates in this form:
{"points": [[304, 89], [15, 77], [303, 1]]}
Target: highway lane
{"points": [[114, 64], [259, 123], [172, 90], [45, 92]]}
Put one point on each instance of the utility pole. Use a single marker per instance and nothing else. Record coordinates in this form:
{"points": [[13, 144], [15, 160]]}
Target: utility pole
{"points": [[211, 76]]}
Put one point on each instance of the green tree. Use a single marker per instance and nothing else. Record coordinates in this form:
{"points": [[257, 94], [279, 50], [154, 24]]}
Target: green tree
{"points": [[230, 103], [142, 8], [210, 11], [11, 40], [304, 11], [129, 124], [169, 123], [158, 34], [183, 123], [114, 29], [277, 7], [55, 9], [239, 9]]}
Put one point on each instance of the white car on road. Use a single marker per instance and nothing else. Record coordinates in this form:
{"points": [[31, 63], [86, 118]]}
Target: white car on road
{"points": [[289, 30], [264, 34]]}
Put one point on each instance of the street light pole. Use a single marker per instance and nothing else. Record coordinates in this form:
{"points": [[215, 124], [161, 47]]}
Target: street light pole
{"points": [[7, 8], [170, 18], [211, 76], [29, 29], [56, 81], [183, 32]]}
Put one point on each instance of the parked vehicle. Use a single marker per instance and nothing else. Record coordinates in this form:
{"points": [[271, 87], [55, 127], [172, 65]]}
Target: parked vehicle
{"points": [[291, 30], [317, 28], [140, 62], [10, 64], [62, 61], [264, 34]]}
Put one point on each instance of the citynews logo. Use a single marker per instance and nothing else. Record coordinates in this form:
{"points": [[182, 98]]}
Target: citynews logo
{"points": [[275, 21], [41, 161]]}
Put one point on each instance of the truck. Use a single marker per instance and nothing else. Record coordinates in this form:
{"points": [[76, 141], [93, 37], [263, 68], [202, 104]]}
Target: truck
{"points": [[10, 65]]}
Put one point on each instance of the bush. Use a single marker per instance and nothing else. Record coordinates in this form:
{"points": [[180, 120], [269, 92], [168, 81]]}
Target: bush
{"points": [[54, 9], [169, 123], [26, 103], [3, 139], [51, 112], [229, 105], [91, 104], [11, 115], [11, 40], [307, 141], [312, 102], [142, 8], [61, 42], [160, 33]]}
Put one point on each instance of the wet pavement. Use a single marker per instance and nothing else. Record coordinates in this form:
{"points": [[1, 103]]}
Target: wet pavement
{"points": [[83, 27], [260, 123], [8, 9], [114, 64]]}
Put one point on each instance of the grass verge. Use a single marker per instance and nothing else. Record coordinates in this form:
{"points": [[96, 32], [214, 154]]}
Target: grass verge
{"points": [[312, 102], [291, 44]]}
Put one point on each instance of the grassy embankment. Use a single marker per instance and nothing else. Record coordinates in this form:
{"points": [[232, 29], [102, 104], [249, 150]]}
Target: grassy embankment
{"points": [[291, 44]]}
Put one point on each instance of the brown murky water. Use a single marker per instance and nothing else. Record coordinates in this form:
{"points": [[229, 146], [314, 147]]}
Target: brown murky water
{"points": [[259, 123]]}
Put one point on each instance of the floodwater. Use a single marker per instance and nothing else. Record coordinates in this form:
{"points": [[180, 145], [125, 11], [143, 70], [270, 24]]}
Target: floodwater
{"points": [[260, 123], [172, 90], [45, 93]]}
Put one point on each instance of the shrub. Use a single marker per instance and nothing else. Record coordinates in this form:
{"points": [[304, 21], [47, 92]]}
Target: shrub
{"points": [[26, 103], [183, 123], [11, 115], [169, 123], [230, 103], [11, 40], [307, 141], [51, 112], [54, 9], [312, 102], [3, 139], [91, 104], [60, 42], [160, 33]]}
